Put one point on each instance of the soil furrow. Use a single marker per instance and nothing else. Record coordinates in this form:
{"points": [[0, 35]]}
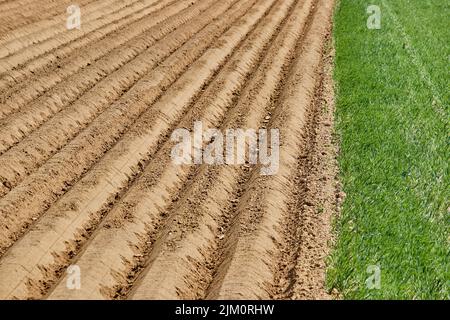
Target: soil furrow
{"points": [[56, 29], [194, 233], [33, 95], [7, 6], [256, 235], [19, 161], [317, 195], [57, 131], [159, 183], [24, 7], [82, 51], [61, 171], [35, 12], [122, 162], [27, 156], [168, 149], [19, 56]]}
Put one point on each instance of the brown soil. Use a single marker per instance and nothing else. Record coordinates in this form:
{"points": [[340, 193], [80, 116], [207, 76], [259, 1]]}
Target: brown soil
{"points": [[86, 176]]}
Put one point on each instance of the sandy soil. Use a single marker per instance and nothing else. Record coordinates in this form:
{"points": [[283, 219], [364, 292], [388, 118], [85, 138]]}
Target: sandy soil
{"points": [[86, 176]]}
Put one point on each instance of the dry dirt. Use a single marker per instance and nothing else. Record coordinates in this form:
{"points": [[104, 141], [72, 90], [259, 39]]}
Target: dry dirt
{"points": [[86, 177]]}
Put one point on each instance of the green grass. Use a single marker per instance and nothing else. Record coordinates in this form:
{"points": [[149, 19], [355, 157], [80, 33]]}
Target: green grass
{"points": [[393, 127]]}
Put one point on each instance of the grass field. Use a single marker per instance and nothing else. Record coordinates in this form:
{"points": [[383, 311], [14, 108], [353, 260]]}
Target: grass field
{"points": [[393, 126]]}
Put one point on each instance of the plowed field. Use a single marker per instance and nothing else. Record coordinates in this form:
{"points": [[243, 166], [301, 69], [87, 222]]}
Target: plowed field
{"points": [[86, 176]]}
